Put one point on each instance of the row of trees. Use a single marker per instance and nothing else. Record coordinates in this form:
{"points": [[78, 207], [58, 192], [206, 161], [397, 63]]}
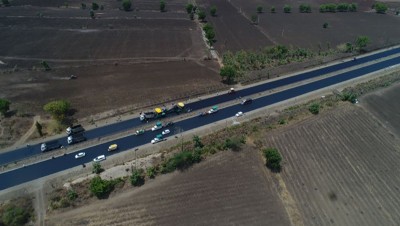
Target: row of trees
{"points": [[192, 9], [210, 33], [127, 5]]}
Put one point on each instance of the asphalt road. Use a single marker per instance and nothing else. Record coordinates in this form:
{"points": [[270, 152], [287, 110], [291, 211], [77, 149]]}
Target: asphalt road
{"points": [[32, 150], [41, 169]]}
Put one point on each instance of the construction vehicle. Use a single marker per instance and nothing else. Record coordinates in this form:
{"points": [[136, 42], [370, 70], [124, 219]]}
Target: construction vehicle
{"points": [[75, 129], [51, 145], [76, 138], [162, 112]]}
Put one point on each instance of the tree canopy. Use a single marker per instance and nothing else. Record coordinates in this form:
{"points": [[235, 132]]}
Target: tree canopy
{"points": [[4, 106], [58, 109], [362, 42], [380, 7], [162, 5], [213, 10], [127, 5], [228, 73], [202, 15]]}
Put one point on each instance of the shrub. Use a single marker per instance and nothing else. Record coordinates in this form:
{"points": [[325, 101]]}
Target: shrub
{"points": [[325, 25], [228, 73], [213, 10], [273, 158], [151, 172], [342, 7], [180, 161], [189, 8], [305, 8], [349, 96], [4, 106], [16, 212], [202, 15], [137, 178], [380, 7], [101, 188], [162, 6], [282, 121], [353, 7], [126, 5], [259, 9], [39, 128], [97, 168], [314, 108], [234, 143], [287, 8], [197, 142], [254, 18], [273, 10], [83, 6], [91, 13], [5, 2], [72, 195], [45, 66], [95, 6]]}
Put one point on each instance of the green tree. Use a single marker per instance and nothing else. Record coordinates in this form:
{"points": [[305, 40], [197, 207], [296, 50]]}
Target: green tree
{"points": [[380, 7], [259, 9], [273, 158], [6, 2], [97, 168], [314, 108], [202, 15], [58, 109], [353, 7], [287, 9], [228, 73], [45, 66], [254, 18], [101, 188], [189, 8], [137, 177], [39, 128], [197, 142], [213, 10], [126, 5], [361, 42], [273, 10], [207, 27], [4, 106], [305, 8], [95, 6], [162, 5], [15, 216], [343, 7], [210, 34]]}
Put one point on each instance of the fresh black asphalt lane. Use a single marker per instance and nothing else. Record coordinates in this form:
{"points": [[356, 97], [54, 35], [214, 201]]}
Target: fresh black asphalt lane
{"points": [[41, 169], [32, 150]]}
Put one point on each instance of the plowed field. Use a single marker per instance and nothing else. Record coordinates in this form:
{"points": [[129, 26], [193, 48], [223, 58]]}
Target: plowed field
{"points": [[341, 168], [231, 188]]}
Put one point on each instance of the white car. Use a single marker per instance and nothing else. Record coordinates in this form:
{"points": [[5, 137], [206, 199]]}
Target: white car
{"points": [[99, 158], [165, 132], [239, 114], [80, 155], [156, 140], [156, 128]]}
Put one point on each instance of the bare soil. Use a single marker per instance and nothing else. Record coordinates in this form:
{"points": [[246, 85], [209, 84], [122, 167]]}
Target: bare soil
{"points": [[229, 188]]}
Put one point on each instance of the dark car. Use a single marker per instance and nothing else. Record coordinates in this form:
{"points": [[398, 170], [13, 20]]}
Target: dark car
{"points": [[247, 101]]}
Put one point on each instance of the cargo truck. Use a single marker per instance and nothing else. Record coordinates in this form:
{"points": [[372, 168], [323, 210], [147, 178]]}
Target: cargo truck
{"points": [[76, 138], [75, 129], [51, 145]]}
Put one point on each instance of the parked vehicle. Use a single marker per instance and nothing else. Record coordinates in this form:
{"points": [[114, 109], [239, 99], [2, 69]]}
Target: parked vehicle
{"points": [[99, 158], [157, 126], [75, 129], [247, 101], [80, 155], [51, 145], [76, 138], [113, 147]]}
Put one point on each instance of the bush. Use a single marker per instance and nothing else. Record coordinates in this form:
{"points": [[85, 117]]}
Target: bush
{"points": [[259, 9], [137, 178], [213, 10], [353, 7], [17, 212], [97, 168], [273, 10], [72, 195], [83, 6], [189, 8], [342, 7], [349, 96], [162, 6], [254, 18], [95, 6], [126, 5], [181, 160], [4, 106], [228, 73], [151, 172], [314, 108], [234, 143], [5, 2], [273, 158], [202, 15], [330, 7], [305, 8], [45, 66], [287, 9], [101, 188], [325, 25], [197, 142], [380, 7], [282, 121]]}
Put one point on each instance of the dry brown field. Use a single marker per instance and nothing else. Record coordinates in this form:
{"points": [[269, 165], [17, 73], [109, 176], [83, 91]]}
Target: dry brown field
{"points": [[231, 188], [298, 29]]}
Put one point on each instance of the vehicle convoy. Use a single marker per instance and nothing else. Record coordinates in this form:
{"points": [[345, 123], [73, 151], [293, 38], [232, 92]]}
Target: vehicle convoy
{"points": [[48, 146], [157, 126], [75, 129], [162, 112], [76, 138]]}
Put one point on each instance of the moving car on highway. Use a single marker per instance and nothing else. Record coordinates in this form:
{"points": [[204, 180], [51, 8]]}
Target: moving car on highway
{"points": [[213, 110], [157, 126], [239, 114], [113, 147], [247, 101], [139, 132], [80, 155], [157, 139], [165, 132], [99, 158]]}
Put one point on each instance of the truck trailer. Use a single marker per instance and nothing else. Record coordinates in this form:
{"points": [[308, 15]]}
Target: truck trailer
{"points": [[75, 129], [76, 138], [51, 145]]}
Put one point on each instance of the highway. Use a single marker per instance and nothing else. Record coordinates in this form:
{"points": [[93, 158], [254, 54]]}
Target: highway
{"points": [[47, 167], [32, 150]]}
